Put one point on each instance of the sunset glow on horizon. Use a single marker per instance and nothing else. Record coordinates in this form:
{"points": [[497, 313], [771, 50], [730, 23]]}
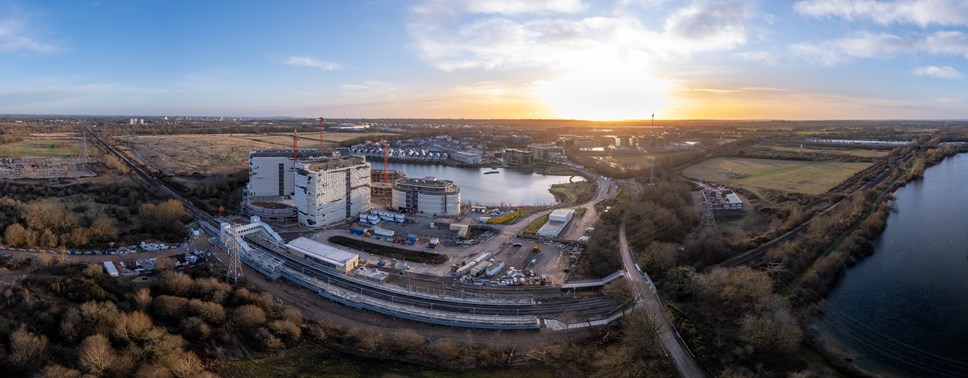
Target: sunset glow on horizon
{"points": [[572, 59]]}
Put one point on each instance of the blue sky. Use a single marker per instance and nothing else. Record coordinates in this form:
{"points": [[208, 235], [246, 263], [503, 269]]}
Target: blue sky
{"points": [[726, 59]]}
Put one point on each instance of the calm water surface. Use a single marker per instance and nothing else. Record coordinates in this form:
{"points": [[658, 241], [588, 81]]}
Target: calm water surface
{"points": [[511, 186], [904, 310]]}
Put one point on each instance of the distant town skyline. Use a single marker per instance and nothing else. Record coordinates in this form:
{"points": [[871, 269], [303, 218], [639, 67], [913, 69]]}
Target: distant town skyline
{"points": [[534, 59]]}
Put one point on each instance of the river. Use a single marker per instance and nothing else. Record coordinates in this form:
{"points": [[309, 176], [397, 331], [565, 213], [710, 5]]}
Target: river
{"points": [[904, 310], [512, 186]]}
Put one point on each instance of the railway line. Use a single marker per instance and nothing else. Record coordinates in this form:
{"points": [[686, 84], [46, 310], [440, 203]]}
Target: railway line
{"points": [[392, 299], [756, 255], [580, 307]]}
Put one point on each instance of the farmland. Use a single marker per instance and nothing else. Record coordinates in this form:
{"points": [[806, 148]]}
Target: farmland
{"points": [[808, 177]]}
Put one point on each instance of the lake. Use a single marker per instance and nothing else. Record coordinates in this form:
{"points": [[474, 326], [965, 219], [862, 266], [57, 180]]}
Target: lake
{"points": [[512, 186], [904, 310]]}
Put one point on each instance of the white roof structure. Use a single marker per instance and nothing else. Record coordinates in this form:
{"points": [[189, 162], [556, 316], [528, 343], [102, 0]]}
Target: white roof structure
{"points": [[322, 251], [561, 215]]}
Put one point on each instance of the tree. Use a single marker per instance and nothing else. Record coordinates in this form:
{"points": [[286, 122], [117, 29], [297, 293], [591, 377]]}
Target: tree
{"points": [[142, 298], [79, 237], [100, 317], [114, 163], [26, 348], [49, 216], [96, 354], [249, 316], [167, 306], [183, 365], [48, 239], [58, 371], [132, 326], [209, 311], [177, 282], [102, 229], [15, 235]]}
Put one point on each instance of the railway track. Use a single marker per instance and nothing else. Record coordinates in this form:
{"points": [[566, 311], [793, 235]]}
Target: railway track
{"points": [[756, 255], [579, 308]]}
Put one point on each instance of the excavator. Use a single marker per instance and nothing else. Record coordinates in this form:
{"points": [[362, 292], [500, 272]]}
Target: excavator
{"points": [[535, 248]]}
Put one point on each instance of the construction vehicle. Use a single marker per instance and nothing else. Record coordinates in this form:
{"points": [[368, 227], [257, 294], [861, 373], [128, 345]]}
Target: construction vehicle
{"points": [[535, 248]]}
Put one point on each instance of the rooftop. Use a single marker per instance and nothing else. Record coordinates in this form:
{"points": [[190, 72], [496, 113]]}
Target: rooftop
{"points": [[321, 251], [322, 164], [287, 152]]}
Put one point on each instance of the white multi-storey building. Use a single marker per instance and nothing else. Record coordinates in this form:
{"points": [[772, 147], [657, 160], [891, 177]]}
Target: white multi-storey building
{"points": [[331, 190], [466, 157], [271, 172], [426, 195]]}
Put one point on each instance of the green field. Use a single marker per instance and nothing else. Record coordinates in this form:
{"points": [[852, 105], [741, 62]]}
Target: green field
{"points": [[809, 177], [36, 148], [859, 152]]}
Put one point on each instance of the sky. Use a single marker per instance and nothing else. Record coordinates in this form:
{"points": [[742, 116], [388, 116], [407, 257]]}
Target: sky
{"points": [[571, 59]]}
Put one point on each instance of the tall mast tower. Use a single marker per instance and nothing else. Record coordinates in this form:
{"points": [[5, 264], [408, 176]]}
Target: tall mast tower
{"points": [[295, 146], [386, 160], [234, 273], [321, 121]]}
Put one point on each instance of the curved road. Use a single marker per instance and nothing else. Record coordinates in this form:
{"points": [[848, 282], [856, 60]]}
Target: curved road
{"points": [[645, 295]]}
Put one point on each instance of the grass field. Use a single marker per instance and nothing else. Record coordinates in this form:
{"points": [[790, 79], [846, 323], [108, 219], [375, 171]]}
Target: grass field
{"points": [[36, 148], [809, 177], [535, 225], [216, 153], [858, 152]]}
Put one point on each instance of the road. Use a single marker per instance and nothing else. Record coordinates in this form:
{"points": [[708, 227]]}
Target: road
{"points": [[645, 295], [605, 189]]}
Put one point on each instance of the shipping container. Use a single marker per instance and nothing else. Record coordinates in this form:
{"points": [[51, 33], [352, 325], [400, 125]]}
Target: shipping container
{"points": [[383, 232]]}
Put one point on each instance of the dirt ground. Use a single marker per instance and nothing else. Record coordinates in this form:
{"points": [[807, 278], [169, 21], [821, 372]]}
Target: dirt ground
{"points": [[215, 153], [552, 261]]}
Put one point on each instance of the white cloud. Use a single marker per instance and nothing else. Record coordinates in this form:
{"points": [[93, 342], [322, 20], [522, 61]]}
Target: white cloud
{"points": [[764, 57], [832, 52], [947, 43], [472, 35], [883, 45], [520, 7], [918, 12], [710, 25], [943, 72], [313, 63], [14, 38]]}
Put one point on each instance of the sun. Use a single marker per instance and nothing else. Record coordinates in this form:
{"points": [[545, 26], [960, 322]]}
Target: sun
{"points": [[604, 93]]}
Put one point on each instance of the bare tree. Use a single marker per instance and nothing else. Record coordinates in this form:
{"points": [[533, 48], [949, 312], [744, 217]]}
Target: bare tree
{"points": [[96, 354], [142, 298], [25, 347], [132, 326]]}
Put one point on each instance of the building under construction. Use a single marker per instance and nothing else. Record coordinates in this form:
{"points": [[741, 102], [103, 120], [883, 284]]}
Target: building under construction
{"points": [[427, 195], [383, 182]]}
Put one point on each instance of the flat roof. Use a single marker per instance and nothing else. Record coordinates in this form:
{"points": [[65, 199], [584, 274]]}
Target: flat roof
{"points": [[321, 251], [561, 212]]}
